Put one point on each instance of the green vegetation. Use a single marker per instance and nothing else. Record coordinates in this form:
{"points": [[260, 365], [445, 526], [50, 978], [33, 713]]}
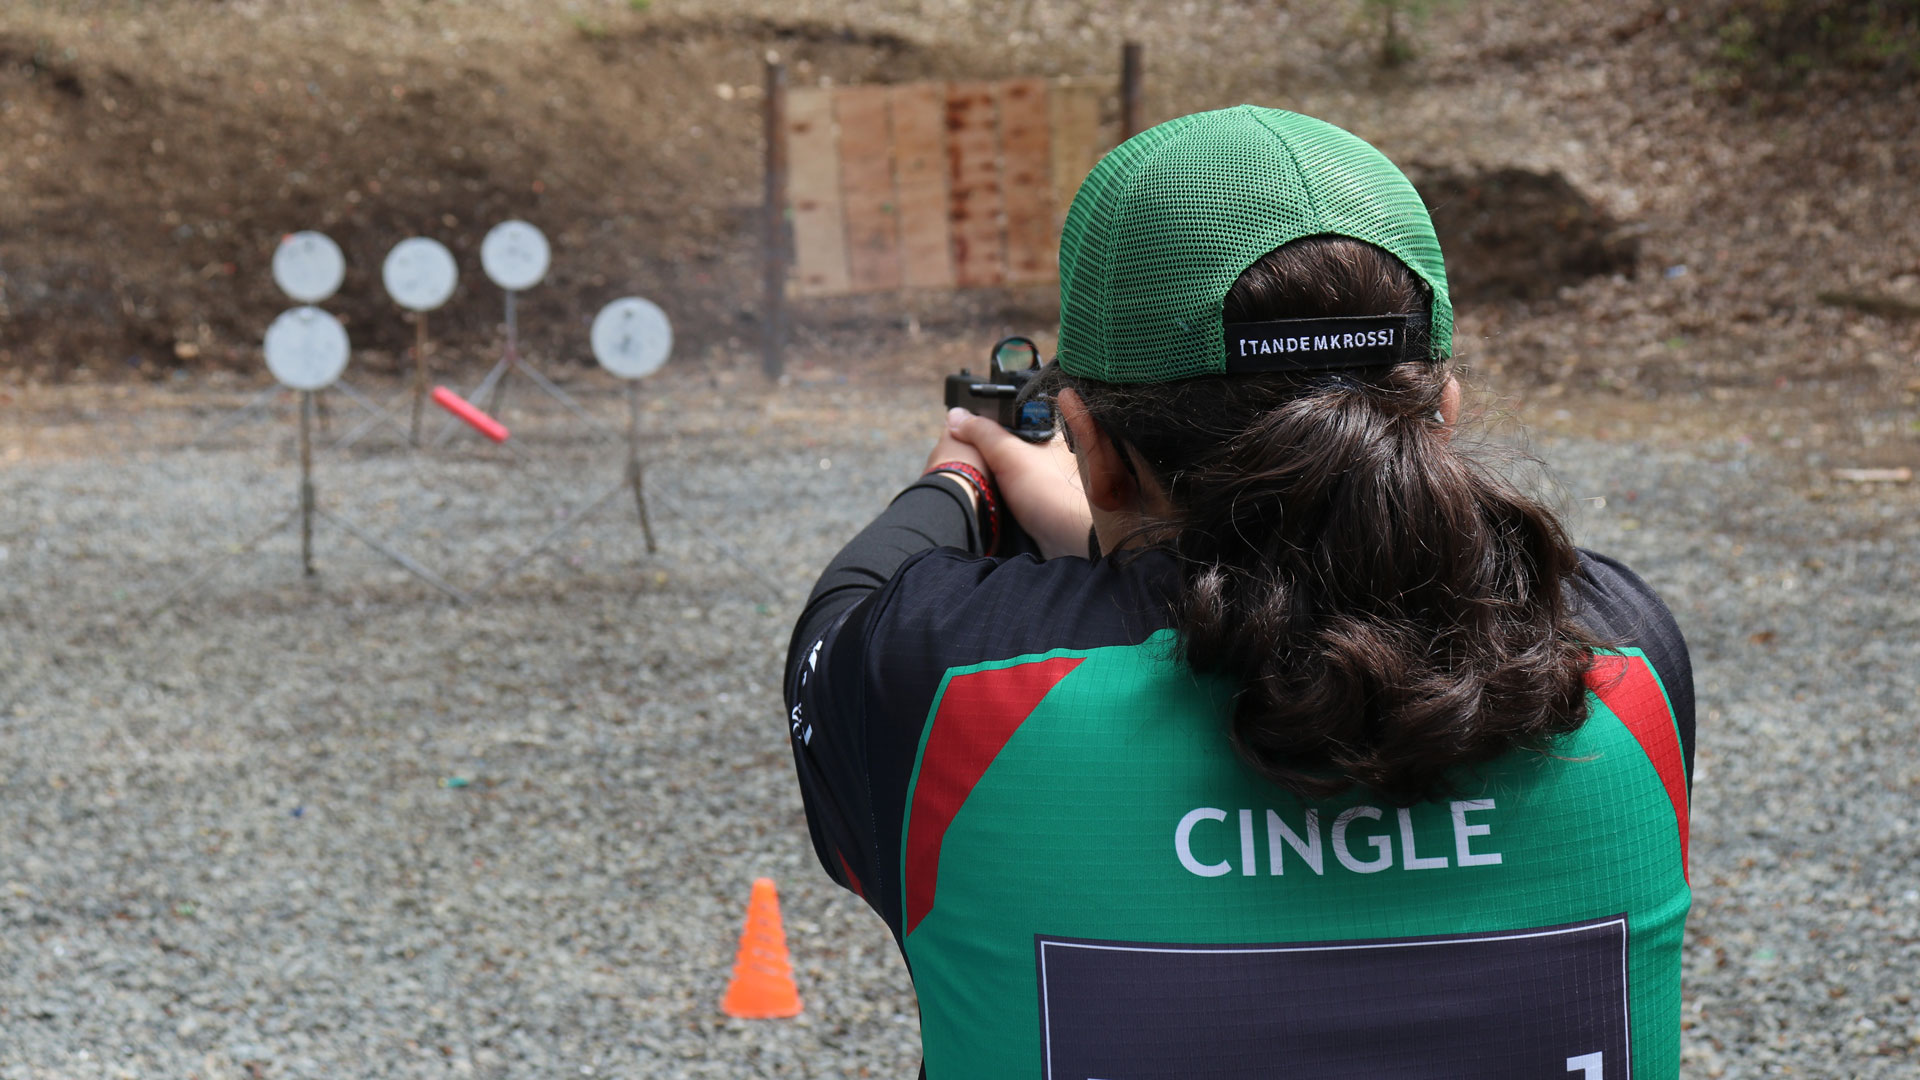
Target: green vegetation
{"points": [[1397, 22], [1780, 42]]}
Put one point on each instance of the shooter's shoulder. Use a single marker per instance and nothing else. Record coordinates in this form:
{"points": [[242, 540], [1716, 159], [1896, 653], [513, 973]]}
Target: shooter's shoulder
{"points": [[968, 609]]}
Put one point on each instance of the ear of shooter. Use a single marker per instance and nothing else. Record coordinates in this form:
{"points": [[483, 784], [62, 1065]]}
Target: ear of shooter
{"points": [[458, 406], [762, 986]]}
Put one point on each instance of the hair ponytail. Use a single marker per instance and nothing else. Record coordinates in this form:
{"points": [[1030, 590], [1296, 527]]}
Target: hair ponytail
{"points": [[1392, 609]]}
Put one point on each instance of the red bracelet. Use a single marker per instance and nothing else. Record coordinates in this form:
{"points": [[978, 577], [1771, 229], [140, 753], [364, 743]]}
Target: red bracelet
{"points": [[981, 487]]}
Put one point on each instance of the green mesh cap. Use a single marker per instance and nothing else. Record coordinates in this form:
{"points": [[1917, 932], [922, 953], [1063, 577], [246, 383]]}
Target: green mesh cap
{"points": [[1166, 223]]}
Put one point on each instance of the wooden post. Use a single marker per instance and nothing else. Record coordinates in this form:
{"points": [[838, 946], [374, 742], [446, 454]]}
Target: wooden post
{"points": [[774, 316], [306, 481], [419, 371], [1129, 90]]}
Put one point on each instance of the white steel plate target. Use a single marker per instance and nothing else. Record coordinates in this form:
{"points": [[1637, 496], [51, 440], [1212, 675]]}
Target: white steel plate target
{"points": [[306, 349], [631, 337], [419, 273], [515, 255], [309, 267]]}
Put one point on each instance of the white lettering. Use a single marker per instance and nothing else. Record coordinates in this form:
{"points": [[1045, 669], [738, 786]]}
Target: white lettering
{"points": [[1306, 841], [1183, 842], [1279, 832], [1381, 845], [1409, 860], [1319, 342], [1463, 832], [1389, 335], [1589, 1066]]}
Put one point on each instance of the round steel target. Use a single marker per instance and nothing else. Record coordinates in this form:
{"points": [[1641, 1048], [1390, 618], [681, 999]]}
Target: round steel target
{"points": [[309, 267], [306, 349], [515, 255], [419, 274], [631, 337]]}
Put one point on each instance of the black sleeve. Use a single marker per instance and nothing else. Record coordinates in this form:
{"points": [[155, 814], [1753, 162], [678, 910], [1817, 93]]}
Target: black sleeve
{"points": [[932, 512], [1612, 602], [825, 686], [907, 601]]}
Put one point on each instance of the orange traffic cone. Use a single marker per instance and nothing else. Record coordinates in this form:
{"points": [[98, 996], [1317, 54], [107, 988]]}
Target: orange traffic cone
{"points": [[762, 986]]}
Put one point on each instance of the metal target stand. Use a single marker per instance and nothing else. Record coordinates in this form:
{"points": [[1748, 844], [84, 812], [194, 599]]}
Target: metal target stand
{"points": [[307, 350], [420, 275], [632, 479], [631, 339], [309, 267], [515, 256]]}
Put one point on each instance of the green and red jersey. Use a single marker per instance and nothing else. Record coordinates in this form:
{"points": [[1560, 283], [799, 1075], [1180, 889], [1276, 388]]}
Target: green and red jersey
{"points": [[1009, 761]]}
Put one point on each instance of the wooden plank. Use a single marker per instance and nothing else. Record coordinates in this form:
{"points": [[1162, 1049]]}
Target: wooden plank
{"points": [[919, 115], [1074, 111], [1026, 180], [866, 188], [974, 209], [813, 190]]}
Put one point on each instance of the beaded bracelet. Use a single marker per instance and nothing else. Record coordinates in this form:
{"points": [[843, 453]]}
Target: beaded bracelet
{"points": [[978, 480]]}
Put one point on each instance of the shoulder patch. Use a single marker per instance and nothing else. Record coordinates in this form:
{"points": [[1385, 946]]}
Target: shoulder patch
{"points": [[978, 712]]}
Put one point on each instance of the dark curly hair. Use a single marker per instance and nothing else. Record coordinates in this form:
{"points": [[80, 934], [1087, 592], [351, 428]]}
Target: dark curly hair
{"points": [[1391, 608]]}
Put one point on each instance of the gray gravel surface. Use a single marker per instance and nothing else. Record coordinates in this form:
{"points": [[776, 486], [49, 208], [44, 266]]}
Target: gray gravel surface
{"points": [[229, 844]]}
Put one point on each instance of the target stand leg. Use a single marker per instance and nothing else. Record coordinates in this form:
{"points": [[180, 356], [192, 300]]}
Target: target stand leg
{"points": [[419, 375], [552, 537], [553, 390], [640, 503], [722, 546], [509, 359], [635, 476], [515, 362], [400, 558], [306, 482], [199, 577], [234, 418], [377, 414]]}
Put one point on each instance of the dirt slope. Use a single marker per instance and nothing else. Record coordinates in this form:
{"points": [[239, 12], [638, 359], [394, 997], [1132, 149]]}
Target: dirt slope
{"points": [[155, 153], [150, 195]]}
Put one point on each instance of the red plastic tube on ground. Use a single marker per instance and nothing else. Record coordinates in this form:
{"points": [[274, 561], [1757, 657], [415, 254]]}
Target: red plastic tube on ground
{"points": [[457, 405]]}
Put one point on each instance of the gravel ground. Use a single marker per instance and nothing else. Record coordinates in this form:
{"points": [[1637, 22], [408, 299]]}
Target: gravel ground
{"points": [[230, 848]]}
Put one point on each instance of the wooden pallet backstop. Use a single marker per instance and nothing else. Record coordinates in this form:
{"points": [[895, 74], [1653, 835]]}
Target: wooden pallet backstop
{"points": [[934, 185]]}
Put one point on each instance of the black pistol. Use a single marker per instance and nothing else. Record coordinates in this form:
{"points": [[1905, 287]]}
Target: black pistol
{"points": [[996, 396]]}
